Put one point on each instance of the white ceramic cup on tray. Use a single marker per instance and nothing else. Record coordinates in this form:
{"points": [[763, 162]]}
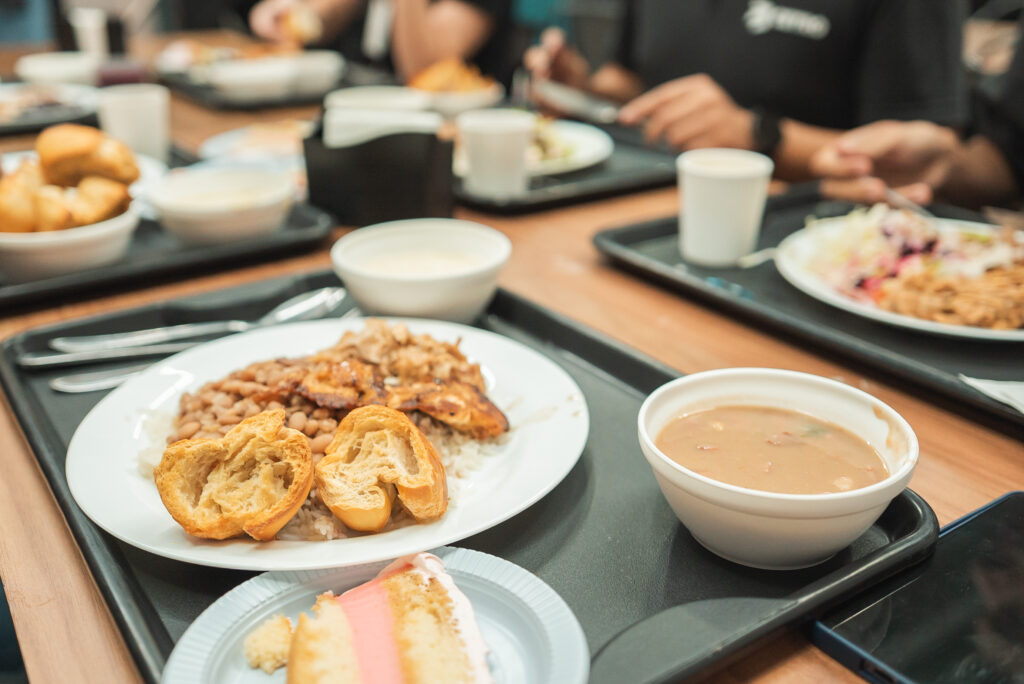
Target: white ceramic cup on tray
{"points": [[722, 193], [495, 141], [138, 114]]}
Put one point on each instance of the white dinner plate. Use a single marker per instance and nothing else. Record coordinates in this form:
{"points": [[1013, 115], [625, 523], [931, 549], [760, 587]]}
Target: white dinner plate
{"points": [[532, 634], [799, 251], [231, 144], [546, 410], [151, 170], [82, 98], [589, 146]]}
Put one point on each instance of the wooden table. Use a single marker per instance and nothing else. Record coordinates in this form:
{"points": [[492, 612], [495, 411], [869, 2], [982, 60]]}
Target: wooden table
{"points": [[64, 628]]}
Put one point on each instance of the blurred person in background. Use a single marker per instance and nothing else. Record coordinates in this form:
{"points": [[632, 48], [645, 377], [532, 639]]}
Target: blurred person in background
{"points": [[407, 35], [922, 160], [782, 77]]}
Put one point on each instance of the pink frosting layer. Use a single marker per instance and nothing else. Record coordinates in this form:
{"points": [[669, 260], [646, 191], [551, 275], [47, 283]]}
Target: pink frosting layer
{"points": [[369, 617]]}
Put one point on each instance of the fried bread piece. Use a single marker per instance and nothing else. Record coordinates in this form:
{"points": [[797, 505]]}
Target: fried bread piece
{"points": [[17, 198], [252, 480], [70, 152], [99, 199], [51, 209], [376, 455]]}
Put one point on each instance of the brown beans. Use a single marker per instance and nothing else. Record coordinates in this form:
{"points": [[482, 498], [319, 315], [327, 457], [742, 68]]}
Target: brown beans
{"points": [[188, 429], [320, 442]]}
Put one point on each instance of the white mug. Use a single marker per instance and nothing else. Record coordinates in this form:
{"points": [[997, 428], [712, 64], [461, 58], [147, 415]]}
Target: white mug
{"points": [[495, 142], [137, 114], [722, 193]]}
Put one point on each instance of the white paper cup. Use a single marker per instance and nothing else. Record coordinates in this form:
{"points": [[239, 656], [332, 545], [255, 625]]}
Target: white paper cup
{"points": [[90, 27], [137, 114], [722, 194], [495, 141]]}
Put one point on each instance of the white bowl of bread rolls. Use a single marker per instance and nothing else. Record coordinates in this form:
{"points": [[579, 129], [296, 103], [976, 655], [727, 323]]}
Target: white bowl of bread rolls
{"points": [[427, 268], [70, 209]]}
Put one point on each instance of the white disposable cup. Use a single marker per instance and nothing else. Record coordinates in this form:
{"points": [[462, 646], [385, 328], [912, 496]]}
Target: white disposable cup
{"points": [[495, 141], [138, 114], [722, 194], [90, 27]]}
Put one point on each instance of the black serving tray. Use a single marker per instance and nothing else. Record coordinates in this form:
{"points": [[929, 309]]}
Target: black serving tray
{"points": [[631, 168], [604, 538], [761, 295], [155, 253], [208, 96]]}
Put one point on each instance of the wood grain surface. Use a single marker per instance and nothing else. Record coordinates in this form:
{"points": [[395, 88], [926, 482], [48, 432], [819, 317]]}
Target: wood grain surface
{"points": [[64, 628]]}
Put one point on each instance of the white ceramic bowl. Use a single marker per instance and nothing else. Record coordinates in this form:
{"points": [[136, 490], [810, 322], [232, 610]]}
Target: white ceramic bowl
{"points": [[452, 104], [378, 97], [58, 67], [457, 292], [217, 204], [316, 72], [767, 529], [34, 256], [249, 80]]}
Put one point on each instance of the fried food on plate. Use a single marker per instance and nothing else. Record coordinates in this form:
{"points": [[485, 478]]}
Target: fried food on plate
{"points": [[252, 480], [378, 454], [451, 76]]}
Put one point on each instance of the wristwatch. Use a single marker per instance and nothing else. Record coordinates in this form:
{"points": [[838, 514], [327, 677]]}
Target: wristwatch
{"points": [[766, 132]]}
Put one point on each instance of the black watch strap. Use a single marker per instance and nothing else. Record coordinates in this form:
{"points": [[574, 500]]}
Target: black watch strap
{"points": [[767, 132]]}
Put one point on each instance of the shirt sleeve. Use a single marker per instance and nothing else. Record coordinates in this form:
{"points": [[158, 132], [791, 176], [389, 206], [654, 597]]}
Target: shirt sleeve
{"points": [[910, 65], [623, 53]]}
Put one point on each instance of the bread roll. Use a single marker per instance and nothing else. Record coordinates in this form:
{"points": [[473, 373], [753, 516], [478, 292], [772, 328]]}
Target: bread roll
{"points": [[252, 480], [70, 152], [376, 455]]}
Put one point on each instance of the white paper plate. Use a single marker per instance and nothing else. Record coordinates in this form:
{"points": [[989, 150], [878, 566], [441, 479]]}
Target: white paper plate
{"points": [[533, 635], [151, 170], [797, 252], [545, 408], [589, 146]]}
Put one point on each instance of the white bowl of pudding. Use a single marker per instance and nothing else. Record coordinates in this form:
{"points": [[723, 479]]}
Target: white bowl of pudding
{"points": [[218, 204], [428, 268], [790, 527]]}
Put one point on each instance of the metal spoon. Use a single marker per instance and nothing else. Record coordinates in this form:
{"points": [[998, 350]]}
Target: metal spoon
{"points": [[313, 304]]}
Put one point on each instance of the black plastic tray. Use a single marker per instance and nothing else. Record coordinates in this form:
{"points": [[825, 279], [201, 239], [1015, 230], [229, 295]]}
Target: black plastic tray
{"points": [[154, 253], [604, 538], [208, 96], [631, 168], [762, 296]]}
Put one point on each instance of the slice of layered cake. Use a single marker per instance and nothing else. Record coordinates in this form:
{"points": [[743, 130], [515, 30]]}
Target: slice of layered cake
{"points": [[409, 625]]}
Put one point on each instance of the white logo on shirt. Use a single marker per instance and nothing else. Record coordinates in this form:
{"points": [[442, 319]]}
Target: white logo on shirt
{"points": [[763, 16]]}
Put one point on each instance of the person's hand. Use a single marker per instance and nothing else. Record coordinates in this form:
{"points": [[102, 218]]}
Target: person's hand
{"points": [[554, 59], [689, 113], [871, 190], [898, 153], [265, 19]]}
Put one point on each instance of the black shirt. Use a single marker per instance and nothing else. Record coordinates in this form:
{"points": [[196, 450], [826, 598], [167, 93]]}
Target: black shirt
{"points": [[833, 63], [493, 58]]}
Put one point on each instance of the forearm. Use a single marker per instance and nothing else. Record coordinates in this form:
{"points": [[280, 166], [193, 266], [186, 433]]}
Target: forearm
{"points": [[336, 15], [799, 143], [424, 33], [979, 175]]}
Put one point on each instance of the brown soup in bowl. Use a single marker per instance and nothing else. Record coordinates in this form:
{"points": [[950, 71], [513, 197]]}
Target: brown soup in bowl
{"points": [[771, 449]]}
